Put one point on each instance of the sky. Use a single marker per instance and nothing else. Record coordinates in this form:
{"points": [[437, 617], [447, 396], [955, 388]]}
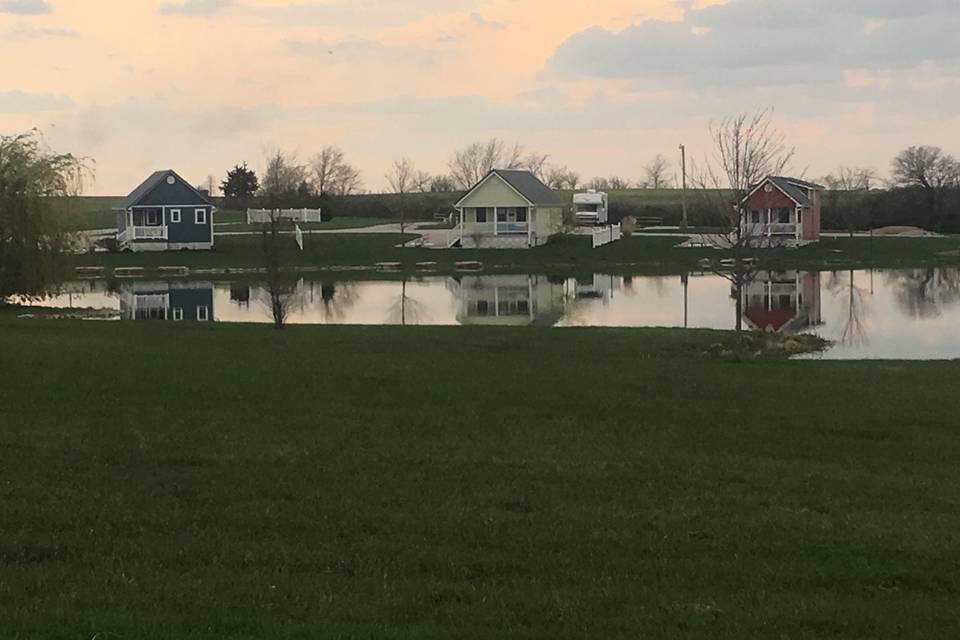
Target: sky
{"points": [[599, 86]]}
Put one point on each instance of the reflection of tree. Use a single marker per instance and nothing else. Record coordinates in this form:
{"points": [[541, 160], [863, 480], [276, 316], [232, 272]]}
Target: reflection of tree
{"points": [[922, 293], [854, 330], [405, 310], [336, 298]]}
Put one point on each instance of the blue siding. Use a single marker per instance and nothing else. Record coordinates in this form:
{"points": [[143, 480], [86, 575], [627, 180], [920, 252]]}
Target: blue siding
{"points": [[187, 230]]}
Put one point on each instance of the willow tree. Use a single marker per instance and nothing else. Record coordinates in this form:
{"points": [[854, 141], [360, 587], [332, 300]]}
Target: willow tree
{"points": [[34, 241]]}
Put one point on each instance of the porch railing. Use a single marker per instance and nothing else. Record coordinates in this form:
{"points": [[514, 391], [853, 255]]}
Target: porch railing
{"points": [[512, 227], [149, 233]]}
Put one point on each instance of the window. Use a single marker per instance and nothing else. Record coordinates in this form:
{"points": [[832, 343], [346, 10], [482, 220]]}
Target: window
{"points": [[203, 314], [785, 302], [177, 314], [755, 216], [784, 216], [521, 215], [200, 216], [152, 218], [501, 215], [174, 215], [481, 214], [483, 307]]}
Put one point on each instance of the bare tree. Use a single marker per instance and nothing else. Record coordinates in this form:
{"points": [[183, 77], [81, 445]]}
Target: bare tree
{"points": [[282, 177], [332, 174], [536, 163], [847, 195], [657, 172], [927, 167], [600, 184], [746, 149], [403, 178], [469, 165], [562, 177], [618, 184], [442, 184]]}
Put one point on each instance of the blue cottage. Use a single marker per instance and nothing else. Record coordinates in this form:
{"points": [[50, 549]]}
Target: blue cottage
{"points": [[165, 213]]}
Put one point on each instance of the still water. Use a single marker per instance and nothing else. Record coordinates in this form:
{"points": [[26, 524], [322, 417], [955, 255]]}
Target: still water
{"points": [[901, 314]]}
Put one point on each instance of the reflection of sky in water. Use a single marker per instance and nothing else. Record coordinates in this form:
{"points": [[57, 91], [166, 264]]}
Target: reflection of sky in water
{"points": [[883, 314]]}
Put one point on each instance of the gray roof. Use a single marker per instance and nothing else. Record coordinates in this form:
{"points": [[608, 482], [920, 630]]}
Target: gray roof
{"points": [[794, 188], [529, 186], [152, 183]]}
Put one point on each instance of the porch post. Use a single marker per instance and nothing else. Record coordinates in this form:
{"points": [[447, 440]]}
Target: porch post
{"points": [[496, 301], [463, 214], [495, 217], [529, 226]]}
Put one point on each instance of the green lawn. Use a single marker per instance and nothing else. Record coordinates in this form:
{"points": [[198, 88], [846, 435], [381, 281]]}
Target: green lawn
{"points": [[633, 255], [88, 212], [191, 482]]}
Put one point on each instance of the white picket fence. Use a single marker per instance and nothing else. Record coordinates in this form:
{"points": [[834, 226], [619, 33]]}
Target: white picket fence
{"points": [[606, 235], [297, 215]]}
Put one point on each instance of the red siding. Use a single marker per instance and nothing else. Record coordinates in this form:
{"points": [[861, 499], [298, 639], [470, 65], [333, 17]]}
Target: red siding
{"points": [[773, 200]]}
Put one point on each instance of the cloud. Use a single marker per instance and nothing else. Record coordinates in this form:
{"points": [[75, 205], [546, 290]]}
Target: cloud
{"points": [[23, 32], [25, 7], [361, 13], [478, 20], [23, 102], [755, 42], [194, 7]]}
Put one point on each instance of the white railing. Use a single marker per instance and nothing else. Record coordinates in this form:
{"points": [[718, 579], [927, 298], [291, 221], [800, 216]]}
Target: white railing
{"points": [[124, 237], [511, 227], [755, 230], [149, 233], [297, 215], [606, 235]]}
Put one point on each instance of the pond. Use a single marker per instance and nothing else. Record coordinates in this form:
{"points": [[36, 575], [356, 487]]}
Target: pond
{"points": [[900, 314]]}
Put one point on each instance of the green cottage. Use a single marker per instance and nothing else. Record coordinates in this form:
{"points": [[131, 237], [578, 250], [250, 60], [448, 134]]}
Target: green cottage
{"points": [[509, 209]]}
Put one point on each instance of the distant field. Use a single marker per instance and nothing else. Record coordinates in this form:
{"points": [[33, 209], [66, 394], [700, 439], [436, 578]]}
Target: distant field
{"points": [[88, 212]]}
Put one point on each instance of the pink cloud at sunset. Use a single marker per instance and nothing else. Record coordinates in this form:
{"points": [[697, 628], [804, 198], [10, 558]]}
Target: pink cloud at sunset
{"points": [[603, 86]]}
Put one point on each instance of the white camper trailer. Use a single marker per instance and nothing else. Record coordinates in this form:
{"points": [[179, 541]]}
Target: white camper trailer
{"points": [[591, 208]]}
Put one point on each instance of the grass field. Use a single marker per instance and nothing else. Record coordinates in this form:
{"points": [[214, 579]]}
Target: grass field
{"points": [[211, 482], [634, 255]]}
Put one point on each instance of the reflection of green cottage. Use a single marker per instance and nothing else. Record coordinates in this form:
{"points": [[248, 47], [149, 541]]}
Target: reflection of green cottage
{"points": [[509, 209], [508, 300]]}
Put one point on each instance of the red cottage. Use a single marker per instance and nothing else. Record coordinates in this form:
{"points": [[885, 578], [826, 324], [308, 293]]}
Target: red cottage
{"points": [[782, 212]]}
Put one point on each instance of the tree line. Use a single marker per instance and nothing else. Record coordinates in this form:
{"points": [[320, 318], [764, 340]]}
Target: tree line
{"points": [[328, 174]]}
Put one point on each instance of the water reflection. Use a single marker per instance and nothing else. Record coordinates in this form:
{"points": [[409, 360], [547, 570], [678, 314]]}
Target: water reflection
{"points": [[894, 314], [787, 302], [167, 301]]}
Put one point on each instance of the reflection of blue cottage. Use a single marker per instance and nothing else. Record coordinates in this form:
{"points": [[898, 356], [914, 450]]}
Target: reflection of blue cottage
{"points": [[176, 301], [165, 214]]}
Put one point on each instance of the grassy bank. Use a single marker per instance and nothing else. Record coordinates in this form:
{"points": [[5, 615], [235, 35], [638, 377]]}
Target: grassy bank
{"points": [[636, 255], [211, 482]]}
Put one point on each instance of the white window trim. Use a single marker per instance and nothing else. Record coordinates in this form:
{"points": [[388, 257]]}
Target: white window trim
{"points": [[174, 215], [203, 314], [152, 215], [177, 314], [200, 216]]}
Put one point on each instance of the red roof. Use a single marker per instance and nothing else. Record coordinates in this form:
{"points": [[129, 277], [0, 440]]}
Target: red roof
{"points": [[766, 319]]}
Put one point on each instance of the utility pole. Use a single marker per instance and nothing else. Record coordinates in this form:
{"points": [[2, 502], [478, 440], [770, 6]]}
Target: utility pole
{"points": [[683, 187]]}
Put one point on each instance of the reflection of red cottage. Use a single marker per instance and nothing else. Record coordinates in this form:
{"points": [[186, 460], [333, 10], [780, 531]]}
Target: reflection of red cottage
{"points": [[782, 302], [782, 212]]}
